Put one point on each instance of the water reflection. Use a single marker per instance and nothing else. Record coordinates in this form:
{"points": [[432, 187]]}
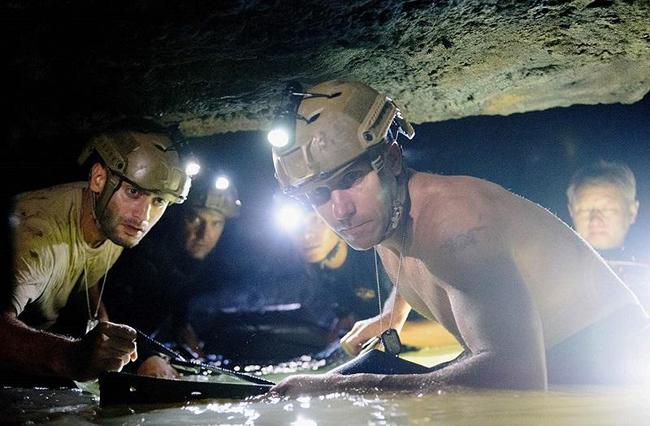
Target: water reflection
{"points": [[558, 406], [565, 405]]}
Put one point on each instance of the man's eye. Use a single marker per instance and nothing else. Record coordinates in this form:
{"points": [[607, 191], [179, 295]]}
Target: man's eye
{"points": [[319, 196], [159, 202], [350, 178], [133, 191]]}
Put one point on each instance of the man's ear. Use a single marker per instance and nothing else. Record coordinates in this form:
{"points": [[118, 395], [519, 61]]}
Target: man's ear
{"points": [[394, 158], [634, 210], [570, 209], [97, 178]]}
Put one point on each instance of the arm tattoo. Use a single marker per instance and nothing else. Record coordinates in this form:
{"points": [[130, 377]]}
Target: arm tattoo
{"points": [[461, 242]]}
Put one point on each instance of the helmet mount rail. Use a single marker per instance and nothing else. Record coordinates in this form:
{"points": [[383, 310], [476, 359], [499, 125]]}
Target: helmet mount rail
{"points": [[287, 113], [322, 129]]}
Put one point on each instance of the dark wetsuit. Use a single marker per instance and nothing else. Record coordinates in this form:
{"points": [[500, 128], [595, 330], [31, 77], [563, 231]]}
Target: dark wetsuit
{"points": [[613, 350], [351, 290], [152, 286], [300, 308]]}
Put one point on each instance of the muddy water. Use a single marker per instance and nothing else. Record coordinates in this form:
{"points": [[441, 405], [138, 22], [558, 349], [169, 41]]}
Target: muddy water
{"points": [[562, 406]]}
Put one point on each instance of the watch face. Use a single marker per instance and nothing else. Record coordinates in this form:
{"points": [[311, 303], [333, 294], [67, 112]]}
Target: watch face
{"points": [[391, 341]]}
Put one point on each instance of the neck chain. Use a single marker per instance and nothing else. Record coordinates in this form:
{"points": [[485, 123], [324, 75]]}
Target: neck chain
{"points": [[399, 270], [92, 319]]}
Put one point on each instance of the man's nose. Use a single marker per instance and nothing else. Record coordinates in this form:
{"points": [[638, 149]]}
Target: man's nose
{"points": [[342, 206], [200, 231], [143, 210], [308, 234], [595, 215]]}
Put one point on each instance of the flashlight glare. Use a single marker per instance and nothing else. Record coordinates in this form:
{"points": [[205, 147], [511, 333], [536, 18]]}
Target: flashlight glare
{"points": [[222, 183], [289, 218], [192, 168], [278, 137]]}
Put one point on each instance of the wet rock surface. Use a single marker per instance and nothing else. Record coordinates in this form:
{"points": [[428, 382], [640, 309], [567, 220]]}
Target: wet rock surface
{"points": [[220, 66]]}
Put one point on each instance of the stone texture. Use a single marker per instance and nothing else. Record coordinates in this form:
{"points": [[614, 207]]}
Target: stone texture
{"points": [[219, 66]]}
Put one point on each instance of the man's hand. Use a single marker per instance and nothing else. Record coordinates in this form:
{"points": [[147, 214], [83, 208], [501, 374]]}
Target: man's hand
{"points": [[156, 366], [306, 384], [394, 315], [188, 338], [315, 384], [108, 347], [361, 332]]}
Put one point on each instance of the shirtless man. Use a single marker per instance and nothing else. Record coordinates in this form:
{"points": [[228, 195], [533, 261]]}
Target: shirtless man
{"points": [[528, 300], [67, 237]]}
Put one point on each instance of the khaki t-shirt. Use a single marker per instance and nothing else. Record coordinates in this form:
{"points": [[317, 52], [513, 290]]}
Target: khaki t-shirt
{"points": [[51, 256]]}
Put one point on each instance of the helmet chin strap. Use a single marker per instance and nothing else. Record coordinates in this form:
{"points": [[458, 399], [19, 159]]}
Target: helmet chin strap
{"points": [[93, 210], [398, 200], [101, 201], [398, 203]]}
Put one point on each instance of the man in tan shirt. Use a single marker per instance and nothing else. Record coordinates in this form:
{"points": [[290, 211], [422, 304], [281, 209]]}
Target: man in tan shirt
{"points": [[66, 237], [528, 300]]}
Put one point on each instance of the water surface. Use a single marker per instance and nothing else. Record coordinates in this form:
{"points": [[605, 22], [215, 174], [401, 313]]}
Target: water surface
{"points": [[567, 405]]}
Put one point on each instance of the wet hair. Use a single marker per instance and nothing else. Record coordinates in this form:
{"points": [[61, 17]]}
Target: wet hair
{"points": [[603, 172]]}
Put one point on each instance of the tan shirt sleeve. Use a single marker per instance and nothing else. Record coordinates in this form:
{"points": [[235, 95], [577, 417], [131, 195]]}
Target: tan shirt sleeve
{"points": [[33, 262]]}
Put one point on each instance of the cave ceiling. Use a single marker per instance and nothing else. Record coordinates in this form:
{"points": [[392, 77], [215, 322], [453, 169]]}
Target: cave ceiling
{"points": [[214, 66]]}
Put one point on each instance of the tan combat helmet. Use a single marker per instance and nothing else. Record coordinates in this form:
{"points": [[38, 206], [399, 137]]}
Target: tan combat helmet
{"points": [[335, 123], [223, 198], [151, 163]]}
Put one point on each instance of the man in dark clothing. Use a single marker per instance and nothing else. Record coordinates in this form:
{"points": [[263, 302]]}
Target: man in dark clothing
{"points": [[603, 207], [345, 279]]}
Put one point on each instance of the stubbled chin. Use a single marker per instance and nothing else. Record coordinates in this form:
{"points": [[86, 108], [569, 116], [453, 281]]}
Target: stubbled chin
{"points": [[359, 245], [131, 240]]}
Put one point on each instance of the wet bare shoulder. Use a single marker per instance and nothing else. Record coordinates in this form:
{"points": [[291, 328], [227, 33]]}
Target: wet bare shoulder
{"points": [[457, 217], [454, 209]]}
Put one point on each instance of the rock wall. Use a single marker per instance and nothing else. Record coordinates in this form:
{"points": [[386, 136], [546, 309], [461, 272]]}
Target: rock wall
{"points": [[219, 66]]}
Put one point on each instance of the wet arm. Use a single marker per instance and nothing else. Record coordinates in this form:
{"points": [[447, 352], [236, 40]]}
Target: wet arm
{"points": [[106, 348], [33, 351], [394, 315], [500, 330], [496, 319], [396, 310]]}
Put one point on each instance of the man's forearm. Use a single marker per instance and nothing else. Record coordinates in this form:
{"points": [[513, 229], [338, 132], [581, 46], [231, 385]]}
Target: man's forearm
{"points": [[32, 351], [482, 370], [397, 308]]}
